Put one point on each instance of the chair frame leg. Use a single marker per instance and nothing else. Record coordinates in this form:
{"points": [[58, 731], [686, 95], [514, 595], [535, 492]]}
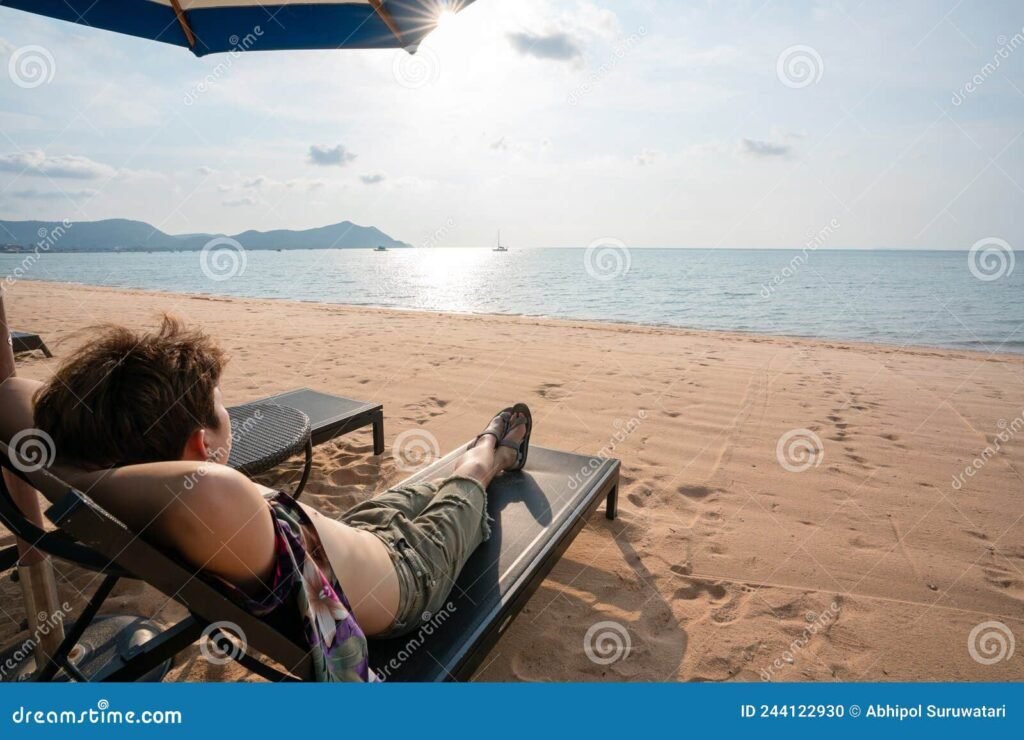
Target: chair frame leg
{"points": [[306, 469], [611, 506], [378, 433]]}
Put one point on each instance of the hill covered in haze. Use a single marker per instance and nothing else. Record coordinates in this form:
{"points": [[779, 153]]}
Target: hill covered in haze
{"points": [[123, 235]]}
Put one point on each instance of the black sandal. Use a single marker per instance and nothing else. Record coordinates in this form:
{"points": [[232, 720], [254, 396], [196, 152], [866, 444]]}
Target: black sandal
{"points": [[522, 447], [497, 428]]}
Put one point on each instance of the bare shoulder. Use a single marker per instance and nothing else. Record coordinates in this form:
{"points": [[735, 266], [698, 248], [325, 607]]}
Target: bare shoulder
{"points": [[220, 522], [217, 497]]}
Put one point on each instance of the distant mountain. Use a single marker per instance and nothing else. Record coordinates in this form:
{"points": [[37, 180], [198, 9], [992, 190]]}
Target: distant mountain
{"points": [[122, 235]]}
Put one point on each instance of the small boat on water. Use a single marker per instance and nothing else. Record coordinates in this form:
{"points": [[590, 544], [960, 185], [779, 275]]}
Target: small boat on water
{"points": [[499, 248], [379, 248]]}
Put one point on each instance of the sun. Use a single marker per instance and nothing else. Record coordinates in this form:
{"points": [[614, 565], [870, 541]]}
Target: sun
{"points": [[444, 19]]}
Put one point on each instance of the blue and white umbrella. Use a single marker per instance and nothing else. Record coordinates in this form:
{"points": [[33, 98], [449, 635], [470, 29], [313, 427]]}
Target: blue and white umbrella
{"points": [[209, 26]]}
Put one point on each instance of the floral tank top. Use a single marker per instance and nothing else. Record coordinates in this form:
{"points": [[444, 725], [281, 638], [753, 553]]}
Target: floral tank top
{"points": [[304, 582]]}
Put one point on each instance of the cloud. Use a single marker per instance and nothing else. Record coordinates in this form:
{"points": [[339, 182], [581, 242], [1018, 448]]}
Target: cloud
{"points": [[225, 188], [763, 149], [500, 145], [372, 179], [67, 166], [33, 194], [255, 183], [247, 200], [557, 45], [326, 156], [645, 157], [206, 171]]}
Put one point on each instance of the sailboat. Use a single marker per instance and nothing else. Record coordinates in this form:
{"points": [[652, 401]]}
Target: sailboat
{"points": [[499, 248], [380, 248]]}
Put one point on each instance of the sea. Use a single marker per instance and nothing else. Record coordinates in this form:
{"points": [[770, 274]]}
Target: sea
{"points": [[965, 300]]}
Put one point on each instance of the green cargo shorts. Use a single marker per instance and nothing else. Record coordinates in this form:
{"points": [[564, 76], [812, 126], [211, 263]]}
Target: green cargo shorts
{"points": [[430, 529]]}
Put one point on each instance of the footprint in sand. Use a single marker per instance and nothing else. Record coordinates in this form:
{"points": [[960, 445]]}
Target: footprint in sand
{"points": [[552, 391], [697, 492]]}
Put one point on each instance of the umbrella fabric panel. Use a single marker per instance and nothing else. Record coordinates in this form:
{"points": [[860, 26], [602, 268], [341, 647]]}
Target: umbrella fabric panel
{"points": [[247, 25]]}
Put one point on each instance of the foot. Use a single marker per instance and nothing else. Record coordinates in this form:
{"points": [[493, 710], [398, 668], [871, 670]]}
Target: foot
{"points": [[505, 455], [497, 428]]}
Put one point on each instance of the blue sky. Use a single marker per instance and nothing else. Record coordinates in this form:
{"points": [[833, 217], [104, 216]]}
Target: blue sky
{"points": [[703, 124]]}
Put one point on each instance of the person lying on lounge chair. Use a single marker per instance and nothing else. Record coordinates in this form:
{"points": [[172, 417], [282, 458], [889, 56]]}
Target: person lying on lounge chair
{"points": [[138, 424]]}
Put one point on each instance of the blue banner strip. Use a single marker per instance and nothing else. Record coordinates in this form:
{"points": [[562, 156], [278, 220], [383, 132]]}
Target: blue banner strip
{"points": [[242, 711]]}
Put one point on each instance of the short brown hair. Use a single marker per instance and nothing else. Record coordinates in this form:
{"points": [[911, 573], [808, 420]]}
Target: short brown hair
{"points": [[131, 397]]}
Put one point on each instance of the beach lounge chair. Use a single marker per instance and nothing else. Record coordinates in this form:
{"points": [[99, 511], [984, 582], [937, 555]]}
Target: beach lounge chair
{"points": [[332, 416], [24, 341], [537, 514]]}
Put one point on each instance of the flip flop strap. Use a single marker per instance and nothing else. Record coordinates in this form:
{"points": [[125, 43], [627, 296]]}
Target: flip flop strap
{"points": [[517, 446]]}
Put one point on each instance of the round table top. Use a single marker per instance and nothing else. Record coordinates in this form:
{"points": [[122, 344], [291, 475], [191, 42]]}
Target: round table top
{"points": [[264, 435]]}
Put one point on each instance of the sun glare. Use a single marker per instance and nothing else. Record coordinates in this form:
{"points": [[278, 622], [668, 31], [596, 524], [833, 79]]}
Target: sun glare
{"points": [[444, 19]]}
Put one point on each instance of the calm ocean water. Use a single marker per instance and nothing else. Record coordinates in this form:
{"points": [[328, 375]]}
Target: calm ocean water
{"points": [[927, 298]]}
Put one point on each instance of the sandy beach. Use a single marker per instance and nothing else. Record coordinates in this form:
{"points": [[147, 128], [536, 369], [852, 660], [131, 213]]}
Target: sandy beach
{"points": [[727, 562]]}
